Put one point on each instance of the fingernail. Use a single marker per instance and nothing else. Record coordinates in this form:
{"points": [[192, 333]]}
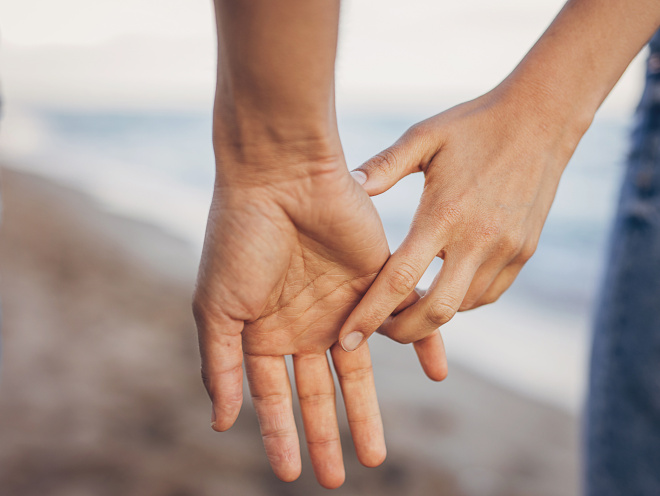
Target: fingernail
{"points": [[213, 426], [352, 341], [359, 176]]}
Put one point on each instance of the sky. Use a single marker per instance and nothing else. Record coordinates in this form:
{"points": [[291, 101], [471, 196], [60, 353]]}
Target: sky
{"points": [[161, 53]]}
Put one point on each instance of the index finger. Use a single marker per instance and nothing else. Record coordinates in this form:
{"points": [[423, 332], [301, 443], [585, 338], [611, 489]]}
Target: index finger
{"points": [[395, 282]]}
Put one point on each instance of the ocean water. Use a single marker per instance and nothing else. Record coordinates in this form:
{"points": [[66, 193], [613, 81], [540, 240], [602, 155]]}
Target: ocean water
{"points": [[158, 167]]}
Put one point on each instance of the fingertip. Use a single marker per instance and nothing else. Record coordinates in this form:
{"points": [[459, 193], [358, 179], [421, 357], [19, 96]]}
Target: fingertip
{"points": [[359, 176], [288, 473], [222, 419], [436, 373], [333, 481], [293, 476], [435, 368], [352, 341], [432, 356], [370, 183], [372, 451], [373, 457], [222, 425], [285, 459]]}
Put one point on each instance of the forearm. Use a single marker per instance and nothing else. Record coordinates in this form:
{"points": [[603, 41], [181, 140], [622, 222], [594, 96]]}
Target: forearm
{"points": [[275, 74], [579, 59]]}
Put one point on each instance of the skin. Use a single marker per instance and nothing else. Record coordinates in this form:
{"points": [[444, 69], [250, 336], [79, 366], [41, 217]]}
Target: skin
{"points": [[492, 167], [279, 280], [292, 242], [280, 273]]}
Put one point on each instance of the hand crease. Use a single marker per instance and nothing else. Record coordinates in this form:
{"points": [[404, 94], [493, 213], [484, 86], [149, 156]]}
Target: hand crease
{"points": [[316, 397], [365, 419]]}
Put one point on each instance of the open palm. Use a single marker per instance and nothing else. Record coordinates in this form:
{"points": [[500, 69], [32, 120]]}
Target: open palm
{"points": [[284, 264]]}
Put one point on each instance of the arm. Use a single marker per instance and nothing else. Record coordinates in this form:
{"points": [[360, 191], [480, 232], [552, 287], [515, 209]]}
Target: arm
{"points": [[492, 168], [275, 85], [292, 241]]}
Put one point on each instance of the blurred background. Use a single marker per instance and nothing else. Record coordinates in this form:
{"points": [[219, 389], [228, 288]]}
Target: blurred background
{"points": [[107, 170]]}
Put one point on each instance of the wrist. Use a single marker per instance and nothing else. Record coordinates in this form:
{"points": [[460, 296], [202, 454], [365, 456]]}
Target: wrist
{"points": [[242, 115], [548, 108], [557, 97], [251, 151]]}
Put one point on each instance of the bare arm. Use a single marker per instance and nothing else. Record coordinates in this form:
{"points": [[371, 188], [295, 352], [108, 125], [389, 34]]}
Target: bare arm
{"points": [[292, 242], [581, 56], [276, 73]]}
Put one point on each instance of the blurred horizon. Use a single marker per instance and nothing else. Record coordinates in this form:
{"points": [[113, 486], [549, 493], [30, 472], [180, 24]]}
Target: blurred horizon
{"points": [[129, 54]]}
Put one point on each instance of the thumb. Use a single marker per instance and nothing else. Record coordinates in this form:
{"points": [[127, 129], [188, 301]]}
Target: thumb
{"points": [[220, 346], [408, 155]]}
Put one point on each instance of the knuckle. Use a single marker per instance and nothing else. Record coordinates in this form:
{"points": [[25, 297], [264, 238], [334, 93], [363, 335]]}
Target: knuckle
{"points": [[204, 309], [206, 380], [468, 304], [269, 399], [416, 132], [317, 398], [527, 251], [356, 375], [368, 418], [450, 213], [489, 232], [511, 245], [403, 279], [487, 300], [232, 401], [199, 309], [323, 441], [215, 310], [275, 433], [387, 159], [396, 333], [401, 338], [440, 312]]}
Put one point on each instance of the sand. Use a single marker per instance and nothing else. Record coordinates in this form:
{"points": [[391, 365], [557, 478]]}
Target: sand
{"points": [[100, 391]]}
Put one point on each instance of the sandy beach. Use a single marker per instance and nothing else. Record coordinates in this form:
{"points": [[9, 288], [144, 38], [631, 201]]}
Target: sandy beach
{"points": [[100, 391]]}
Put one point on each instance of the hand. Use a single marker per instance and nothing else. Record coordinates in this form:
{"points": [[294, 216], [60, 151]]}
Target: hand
{"points": [[286, 258], [492, 168]]}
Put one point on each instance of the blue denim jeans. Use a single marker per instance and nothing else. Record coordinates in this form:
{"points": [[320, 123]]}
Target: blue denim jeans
{"points": [[622, 435]]}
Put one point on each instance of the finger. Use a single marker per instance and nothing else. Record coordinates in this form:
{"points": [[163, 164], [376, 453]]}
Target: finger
{"points": [[508, 275], [409, 154], [271, 396], [484, 277], [431, 354], [430, 350], [410, 299], [356, 380], [438, 307], [316, 392], [501, 283], [394, 284], [222, 366]]}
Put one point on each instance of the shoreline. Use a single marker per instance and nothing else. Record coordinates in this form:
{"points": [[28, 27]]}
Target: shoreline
{"points": [[98, 364]]}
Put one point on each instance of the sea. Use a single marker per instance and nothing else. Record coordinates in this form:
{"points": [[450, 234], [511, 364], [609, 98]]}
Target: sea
{"points": [[157, 166]]}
